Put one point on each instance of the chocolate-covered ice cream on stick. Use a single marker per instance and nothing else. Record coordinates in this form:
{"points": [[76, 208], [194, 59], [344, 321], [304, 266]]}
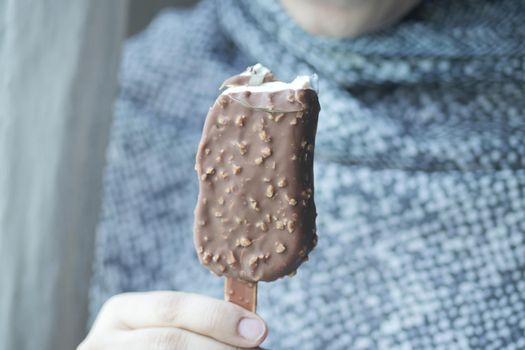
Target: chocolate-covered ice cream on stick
{"points": [[255, 216]]}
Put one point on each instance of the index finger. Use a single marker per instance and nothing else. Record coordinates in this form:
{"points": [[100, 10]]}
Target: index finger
{"points": [[218, 319]]}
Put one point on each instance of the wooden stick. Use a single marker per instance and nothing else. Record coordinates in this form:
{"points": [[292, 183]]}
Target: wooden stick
{"points": [[241, 293]]}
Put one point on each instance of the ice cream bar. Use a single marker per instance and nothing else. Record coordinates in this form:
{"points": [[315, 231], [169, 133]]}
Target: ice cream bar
{"points": [[255, 216]]}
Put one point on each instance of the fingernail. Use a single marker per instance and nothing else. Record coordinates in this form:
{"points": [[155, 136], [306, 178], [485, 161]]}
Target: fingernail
{"points": [[251, 329]]}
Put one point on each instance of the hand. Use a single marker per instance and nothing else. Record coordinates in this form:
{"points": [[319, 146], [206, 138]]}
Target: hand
{"points": [[173, 321]]}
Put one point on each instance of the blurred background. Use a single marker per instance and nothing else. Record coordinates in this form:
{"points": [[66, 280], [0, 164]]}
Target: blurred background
{"points": [[141, 12], [58, 69]]}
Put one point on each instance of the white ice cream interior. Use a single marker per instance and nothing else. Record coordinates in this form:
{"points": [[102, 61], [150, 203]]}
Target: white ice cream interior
{"points": [[256, 83]]}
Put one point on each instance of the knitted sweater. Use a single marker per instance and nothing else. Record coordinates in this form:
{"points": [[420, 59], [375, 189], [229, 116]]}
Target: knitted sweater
{"points": [[419, 165]]}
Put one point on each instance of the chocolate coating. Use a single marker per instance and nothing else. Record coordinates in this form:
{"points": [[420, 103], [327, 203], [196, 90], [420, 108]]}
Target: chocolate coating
{"points": [[255, 216]]}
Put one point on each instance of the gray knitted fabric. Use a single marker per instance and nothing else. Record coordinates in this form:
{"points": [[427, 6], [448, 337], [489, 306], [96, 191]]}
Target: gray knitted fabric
{"points": [[420, 173]]}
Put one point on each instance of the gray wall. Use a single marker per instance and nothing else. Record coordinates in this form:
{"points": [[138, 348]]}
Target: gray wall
{"points": [[58, 66], [58, 62]]}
